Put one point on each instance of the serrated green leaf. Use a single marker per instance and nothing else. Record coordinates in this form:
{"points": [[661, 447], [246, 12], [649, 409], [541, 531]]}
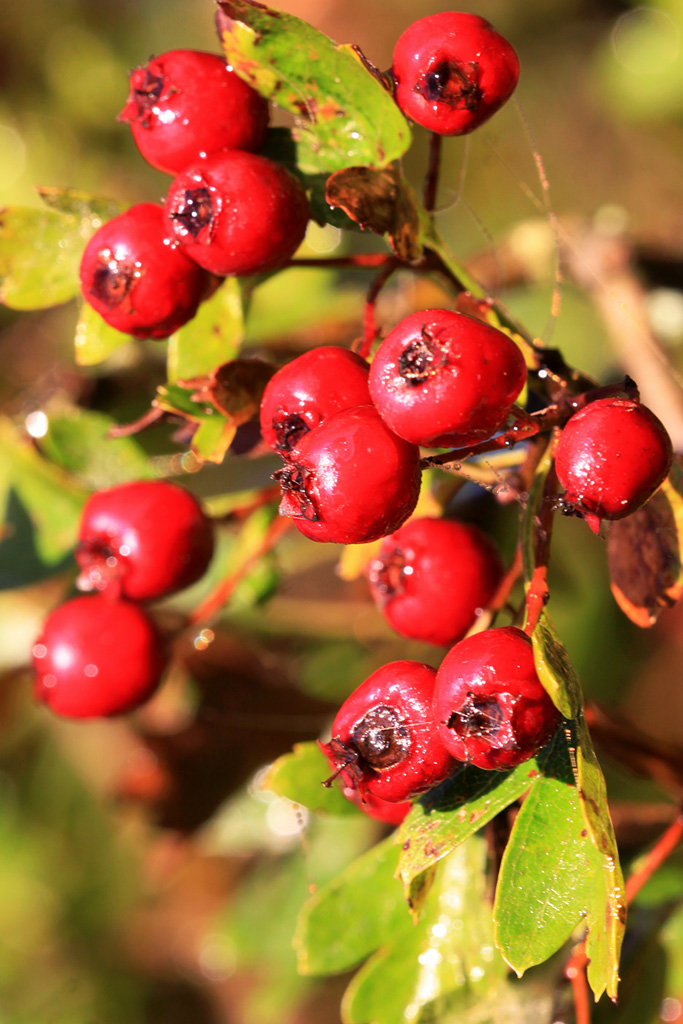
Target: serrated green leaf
{"points": [[212, 337], [51, 498], [300, 775], [444, 818], [40, 250], [352, 915], [95, 340], [442, 966], [347, 118], [77, 441]]}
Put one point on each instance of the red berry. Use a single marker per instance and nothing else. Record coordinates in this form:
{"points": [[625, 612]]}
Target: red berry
{"points": [[382, 810], [350, 479], [491, 707], [308, 390], [136, 279], [186, 104], [453, 71], [442, 378], [383, 740], [97, 656], [612, 456], [433, 577], [145, 540], [237, 213]]}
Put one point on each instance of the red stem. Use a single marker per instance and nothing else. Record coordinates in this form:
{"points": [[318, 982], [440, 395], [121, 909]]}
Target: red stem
{"points": [[370, 328]]}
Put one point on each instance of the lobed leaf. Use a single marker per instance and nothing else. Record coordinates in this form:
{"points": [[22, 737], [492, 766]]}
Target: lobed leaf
{"points": [[351, 916], [346, 116], [299, 776], [444, 965]]}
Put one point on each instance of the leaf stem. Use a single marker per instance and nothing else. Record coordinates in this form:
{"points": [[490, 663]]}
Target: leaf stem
{"points": [[663, 848], [432, 178]]}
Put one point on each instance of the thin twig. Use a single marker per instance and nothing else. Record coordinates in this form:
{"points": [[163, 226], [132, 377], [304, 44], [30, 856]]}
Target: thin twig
{"points": [[431, 185]]}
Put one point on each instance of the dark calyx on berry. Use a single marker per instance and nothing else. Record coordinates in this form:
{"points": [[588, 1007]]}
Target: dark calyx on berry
{"points": [[292, 480], [147, 90], [288, 432], [387, 575], [193, 212], [478, 716], [452, 82], [381, 740], [113, 280], [419, 360]]}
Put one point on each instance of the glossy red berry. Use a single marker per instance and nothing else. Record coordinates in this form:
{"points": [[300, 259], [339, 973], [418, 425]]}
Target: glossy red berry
{"points": [[453, 71], [383, 739], [308, 390], [442, 378], [237, 213], [491, 708], [143, 540], [433, 577], [612, 456], [381, 810], [350, 479], [186, 104], [97, 657], [136, 279]]}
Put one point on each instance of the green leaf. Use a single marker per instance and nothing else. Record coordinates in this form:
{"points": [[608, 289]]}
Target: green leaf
{"points": [[547, 874], [213, 437], [213, 337], [555, 669], [51, 498], [347, 117], [444, 818], [444, 965], [77, 441], [300, 775], [40, 250], [352, 915], [95, 340]]}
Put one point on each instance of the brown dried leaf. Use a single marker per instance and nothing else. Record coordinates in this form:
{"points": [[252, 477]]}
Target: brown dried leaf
{"points": [[381, 200], [645, 554]]}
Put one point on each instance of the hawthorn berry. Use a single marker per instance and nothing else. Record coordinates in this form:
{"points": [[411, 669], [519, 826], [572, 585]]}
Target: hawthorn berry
{"points": [[308, 390], [491, 708], [611, 457], [382, 810], [143, 540], [237, 213], [186, 104], [433, 577], [136, 279], [442, 378], [453, 71], [383, 740], [97, 656], [350, 480]]}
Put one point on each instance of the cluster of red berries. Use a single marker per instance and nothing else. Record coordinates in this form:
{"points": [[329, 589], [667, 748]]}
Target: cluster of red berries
{"points": [[101, 654], [408, 726], [229, 211]]}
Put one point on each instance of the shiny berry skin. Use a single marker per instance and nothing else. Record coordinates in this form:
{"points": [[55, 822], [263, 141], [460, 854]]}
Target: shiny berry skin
{"points": [[143, 540], [382, 810], [383, 739], [237, 213], [186, 104], [136, 279], [433, 577], [453, 71], [308, 390], [97, 657], [350, 480], [444, 379], [491, 708], [611, 457]]}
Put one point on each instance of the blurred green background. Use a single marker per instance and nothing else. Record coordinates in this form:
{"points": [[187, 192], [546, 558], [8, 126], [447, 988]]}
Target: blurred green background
{"points": [[124, 891]]}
